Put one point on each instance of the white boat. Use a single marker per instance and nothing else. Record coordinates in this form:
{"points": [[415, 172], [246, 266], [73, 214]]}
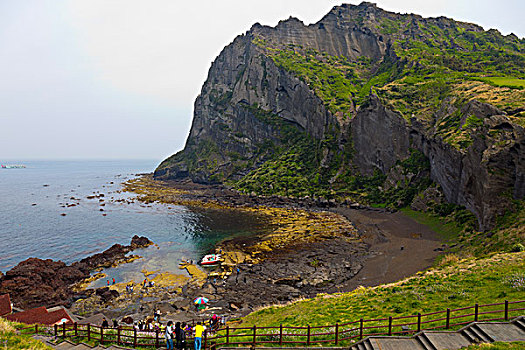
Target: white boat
{"points": [[211, 259], [16, 166]]}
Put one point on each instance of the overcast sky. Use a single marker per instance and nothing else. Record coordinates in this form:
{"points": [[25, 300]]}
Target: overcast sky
{"points": [[115, 79]]}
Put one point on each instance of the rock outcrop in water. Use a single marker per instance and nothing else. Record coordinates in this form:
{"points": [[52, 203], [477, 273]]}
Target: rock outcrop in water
{"points": [[36, 282], [329, 109]]}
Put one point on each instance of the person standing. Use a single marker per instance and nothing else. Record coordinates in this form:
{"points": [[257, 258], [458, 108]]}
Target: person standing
{"points": [[199, 329], [180, 336], [169, 336]]}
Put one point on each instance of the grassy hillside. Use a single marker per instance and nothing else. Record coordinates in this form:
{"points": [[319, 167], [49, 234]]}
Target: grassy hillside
{"points": [[456, 283], [10, 338]]}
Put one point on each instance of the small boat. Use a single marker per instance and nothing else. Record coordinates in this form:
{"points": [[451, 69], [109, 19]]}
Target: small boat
{"points": [[211, 259], [5, 166]]}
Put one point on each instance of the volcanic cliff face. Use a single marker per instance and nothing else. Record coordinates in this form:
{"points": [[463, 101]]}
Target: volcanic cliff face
{"points": [[340, 106]]}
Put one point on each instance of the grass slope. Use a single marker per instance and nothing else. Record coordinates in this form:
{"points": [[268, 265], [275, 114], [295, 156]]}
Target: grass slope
{"points": [[455, 284], [12, 340]]}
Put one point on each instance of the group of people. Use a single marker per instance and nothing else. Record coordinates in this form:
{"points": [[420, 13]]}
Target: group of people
{"points": [[179, 332], [176, 335], [146, 283]]}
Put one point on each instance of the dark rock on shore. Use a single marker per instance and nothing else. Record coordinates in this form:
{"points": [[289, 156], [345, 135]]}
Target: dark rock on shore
{"points": [[106, 294], [37, 282], [299, 271]]}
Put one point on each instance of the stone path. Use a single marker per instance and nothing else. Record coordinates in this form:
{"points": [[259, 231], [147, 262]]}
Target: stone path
{"points": [[67, 345], [477, 332]]}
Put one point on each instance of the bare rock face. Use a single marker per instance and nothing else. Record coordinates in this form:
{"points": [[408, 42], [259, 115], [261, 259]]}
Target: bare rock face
{"points": [[479, 176], [381, 137]]}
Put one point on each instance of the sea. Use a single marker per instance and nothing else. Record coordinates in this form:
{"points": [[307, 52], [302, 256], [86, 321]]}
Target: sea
{"points": [[45, 213]]}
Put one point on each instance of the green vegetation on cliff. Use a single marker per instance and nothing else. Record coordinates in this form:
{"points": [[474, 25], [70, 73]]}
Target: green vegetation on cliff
{"points": [[445, 83]]}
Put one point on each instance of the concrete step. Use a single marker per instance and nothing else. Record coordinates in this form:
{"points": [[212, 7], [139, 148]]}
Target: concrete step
{"points": [[471, 337], [368, 345], [502, 331], [65, 345], [82, 347], [447, 340], [520, 323], [395, 343], [481, 334], [425, 342], [362, 345]]}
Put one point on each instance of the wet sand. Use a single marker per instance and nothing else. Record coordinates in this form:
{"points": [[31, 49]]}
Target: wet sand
{"points": [[399, 246]]}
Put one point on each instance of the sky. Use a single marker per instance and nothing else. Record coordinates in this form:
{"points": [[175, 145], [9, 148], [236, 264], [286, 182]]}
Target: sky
{"points": [[116, 79]]}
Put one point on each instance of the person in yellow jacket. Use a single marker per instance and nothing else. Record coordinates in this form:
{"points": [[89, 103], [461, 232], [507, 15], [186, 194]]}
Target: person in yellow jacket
{"points": [[199, 329]]}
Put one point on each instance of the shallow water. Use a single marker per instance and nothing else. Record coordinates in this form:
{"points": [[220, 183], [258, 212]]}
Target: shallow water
{"points": [[31, 224]]}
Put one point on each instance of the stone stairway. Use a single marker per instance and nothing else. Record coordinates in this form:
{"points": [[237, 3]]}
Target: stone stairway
{"points": [[476, 332], [67, 345]]}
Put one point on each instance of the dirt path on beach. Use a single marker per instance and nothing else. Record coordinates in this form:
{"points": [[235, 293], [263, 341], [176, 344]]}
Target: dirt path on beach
{"points": [[399, 246]]}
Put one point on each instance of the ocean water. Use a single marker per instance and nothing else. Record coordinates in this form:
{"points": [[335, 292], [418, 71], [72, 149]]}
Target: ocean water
{"points": [[33, 201]]}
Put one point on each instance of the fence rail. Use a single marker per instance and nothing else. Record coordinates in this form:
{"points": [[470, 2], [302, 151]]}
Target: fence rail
{"points": [[338, 334]]}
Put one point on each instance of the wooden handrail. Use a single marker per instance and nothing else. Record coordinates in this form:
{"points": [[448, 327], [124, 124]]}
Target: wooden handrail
{"points": [[305, 335]]}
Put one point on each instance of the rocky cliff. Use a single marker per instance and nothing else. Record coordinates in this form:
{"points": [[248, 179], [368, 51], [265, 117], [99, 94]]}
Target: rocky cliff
{"points": [[364, 105]]}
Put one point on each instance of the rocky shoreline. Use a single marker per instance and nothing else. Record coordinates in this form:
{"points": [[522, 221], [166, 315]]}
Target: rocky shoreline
{"points": [[36, 282]]}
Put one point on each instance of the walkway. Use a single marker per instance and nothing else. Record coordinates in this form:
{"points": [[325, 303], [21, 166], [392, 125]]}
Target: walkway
{"points": [[476, 332], [67, 345]]}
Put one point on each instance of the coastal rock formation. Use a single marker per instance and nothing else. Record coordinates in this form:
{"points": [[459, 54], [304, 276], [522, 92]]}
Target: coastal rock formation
{"points": [[327, 109], [36, 282]]}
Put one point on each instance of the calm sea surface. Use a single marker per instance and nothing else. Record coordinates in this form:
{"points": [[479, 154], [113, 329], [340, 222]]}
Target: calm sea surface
{"points": [[31, 225]]}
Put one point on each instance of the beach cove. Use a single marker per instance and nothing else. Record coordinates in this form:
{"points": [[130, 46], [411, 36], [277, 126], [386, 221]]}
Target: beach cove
{"points": [[312, 248], [278, 249]]}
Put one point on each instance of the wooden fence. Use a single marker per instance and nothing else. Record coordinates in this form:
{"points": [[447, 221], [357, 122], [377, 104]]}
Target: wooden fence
{"points": [[338, 334]]}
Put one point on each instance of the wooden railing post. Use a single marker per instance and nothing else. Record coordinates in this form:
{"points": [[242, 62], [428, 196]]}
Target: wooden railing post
{"points": [[134, 337], [36, 328], [76, 329], [476, 312], [506, 310], [254, 334], [227, 335], [56, 331], [157, 338], [336, 333], [389, 325], [101, 335], [419, 321], [448, 319], [118, 335], [308, 336], [205, 338], [89, 332], [361, 323], [64, 330], [281, 334]]}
